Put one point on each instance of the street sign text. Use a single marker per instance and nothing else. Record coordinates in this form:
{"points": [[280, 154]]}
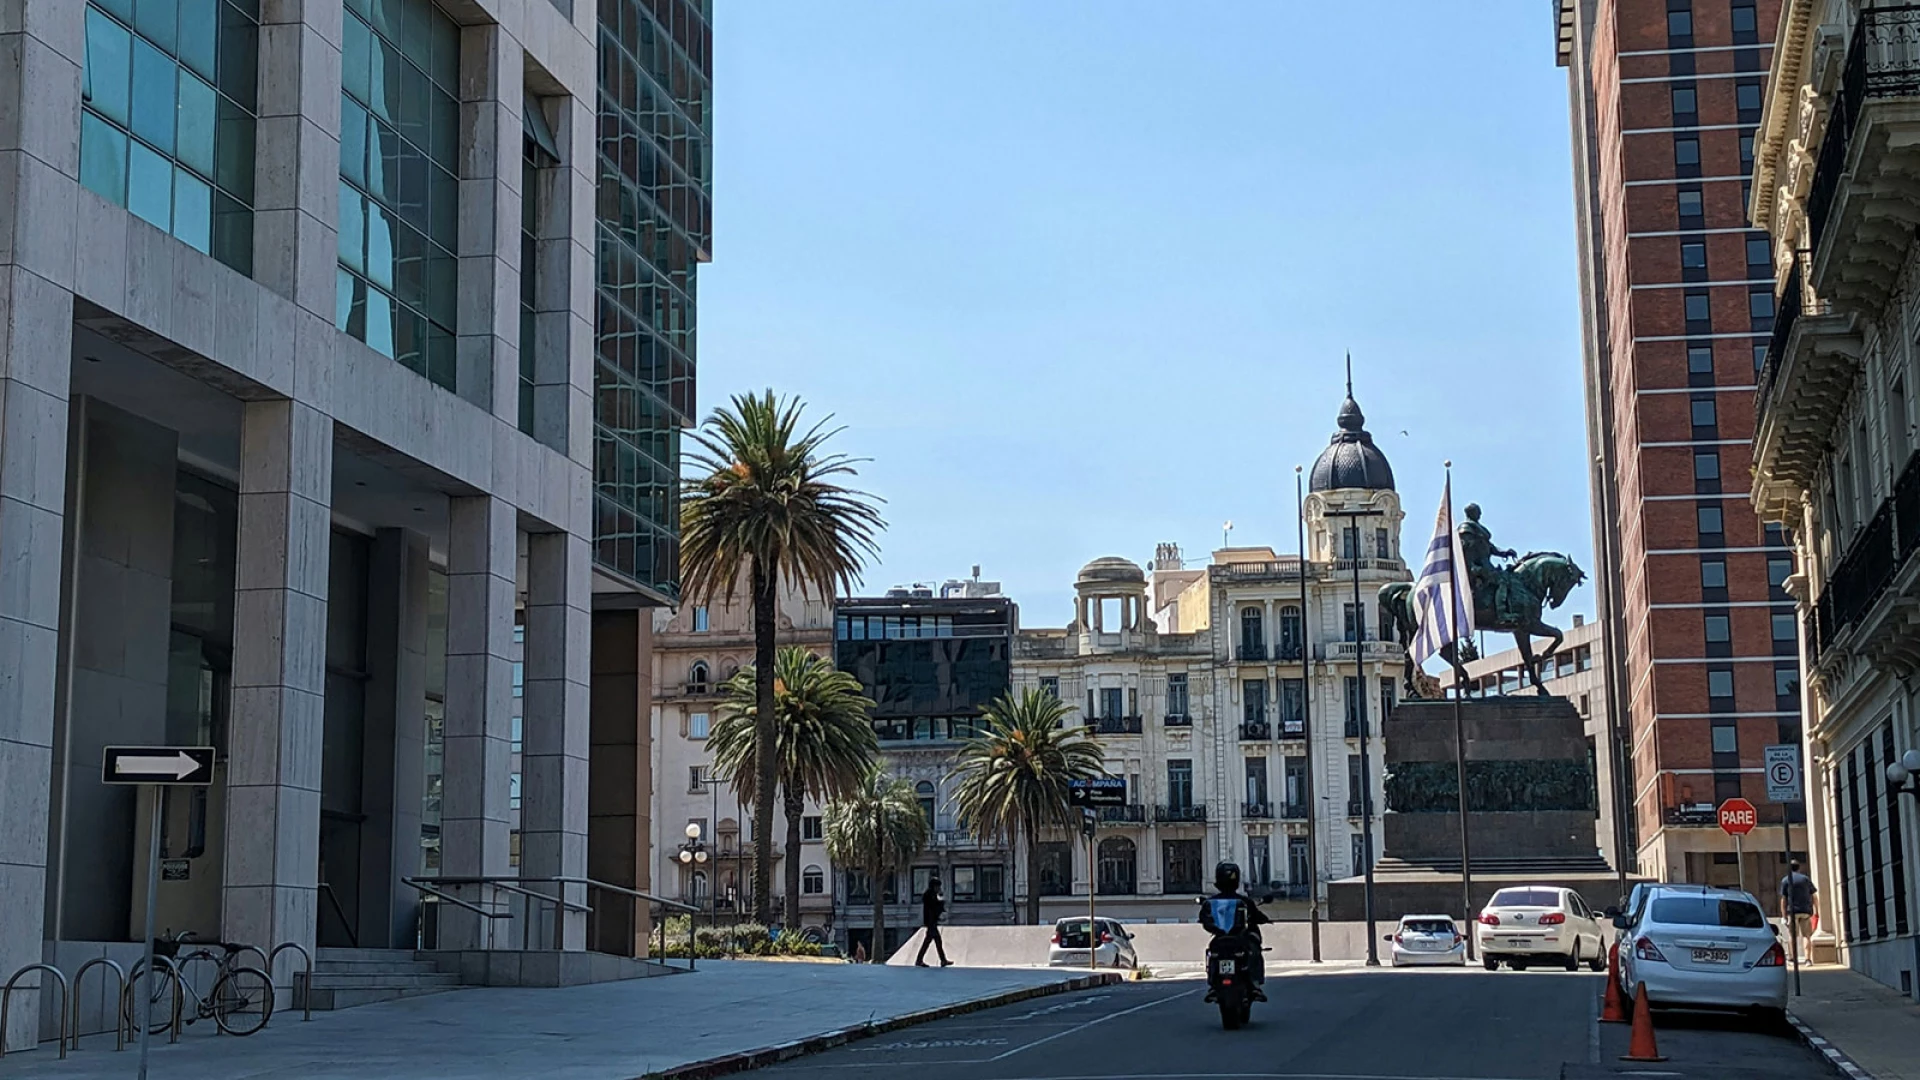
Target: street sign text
{"points": [[1738, 817]]}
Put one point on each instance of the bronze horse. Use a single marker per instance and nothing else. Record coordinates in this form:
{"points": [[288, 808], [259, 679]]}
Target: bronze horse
{"points": [[1541, 580]]}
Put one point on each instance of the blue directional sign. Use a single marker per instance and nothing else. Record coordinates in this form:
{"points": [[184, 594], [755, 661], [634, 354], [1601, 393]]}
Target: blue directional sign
{"points": [[1099, 791]]}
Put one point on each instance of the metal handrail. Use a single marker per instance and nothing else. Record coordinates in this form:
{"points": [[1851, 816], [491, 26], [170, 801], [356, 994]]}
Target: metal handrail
{"points": [[306, 995], [339, 912], [119, 1014], [6, 1003], [425, 889], [179, 994]]}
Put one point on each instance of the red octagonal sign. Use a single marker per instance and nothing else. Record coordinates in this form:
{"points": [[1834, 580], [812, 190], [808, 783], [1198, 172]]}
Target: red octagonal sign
{"points": [[1738, 817]]}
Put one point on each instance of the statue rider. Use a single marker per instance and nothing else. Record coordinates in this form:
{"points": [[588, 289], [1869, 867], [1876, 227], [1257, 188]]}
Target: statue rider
{"points": [[1487, 580]]}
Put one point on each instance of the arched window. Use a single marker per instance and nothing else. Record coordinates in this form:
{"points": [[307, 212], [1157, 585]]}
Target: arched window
{"points": [[697, 677], [1253, 637], [813, 881], [1118, 873], [697, 888], [925, 790], [728, 670], [1293, 633]]}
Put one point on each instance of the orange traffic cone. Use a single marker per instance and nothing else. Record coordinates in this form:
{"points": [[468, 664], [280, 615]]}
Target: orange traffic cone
{"points": [[1641, 1046], [1613, 1004]]}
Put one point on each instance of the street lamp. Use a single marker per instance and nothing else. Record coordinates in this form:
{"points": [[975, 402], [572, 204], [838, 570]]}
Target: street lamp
{"points": [[1903, 776], [691, 852]]}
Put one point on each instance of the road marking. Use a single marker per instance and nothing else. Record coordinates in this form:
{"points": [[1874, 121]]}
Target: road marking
{"points": [[1255, 1076], [1593, 1032], [927, 1044], [1092, 1022]]}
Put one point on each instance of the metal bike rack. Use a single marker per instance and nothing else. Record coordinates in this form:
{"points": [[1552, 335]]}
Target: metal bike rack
{"points": [[6, 1003], [179, 995], [305, 978], [119, 1014]]}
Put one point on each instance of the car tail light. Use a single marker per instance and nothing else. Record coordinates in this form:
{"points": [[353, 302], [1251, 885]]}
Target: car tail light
{"points": [[1458, 937], [1056, 937], [1396, 939], [1776, 957], [1645, 949], [1552, 918], [1105, 938], [1490, 919]]}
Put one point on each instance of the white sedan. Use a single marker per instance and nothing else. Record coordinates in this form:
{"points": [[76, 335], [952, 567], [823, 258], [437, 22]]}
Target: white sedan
{"points": [[1428, 939], [1540, 924], [1701, 947]]}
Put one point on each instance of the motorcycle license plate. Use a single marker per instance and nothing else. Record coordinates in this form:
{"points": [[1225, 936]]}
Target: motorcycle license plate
{"points": [[1226, 967]]}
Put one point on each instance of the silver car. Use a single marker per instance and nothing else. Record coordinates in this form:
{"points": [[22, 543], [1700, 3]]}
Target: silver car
{"points": [[1070, 940], [1428, 939], [1696, 946]]}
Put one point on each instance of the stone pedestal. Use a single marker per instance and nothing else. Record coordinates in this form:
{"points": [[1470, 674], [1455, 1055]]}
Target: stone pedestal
{"points": [[1531, 815]]}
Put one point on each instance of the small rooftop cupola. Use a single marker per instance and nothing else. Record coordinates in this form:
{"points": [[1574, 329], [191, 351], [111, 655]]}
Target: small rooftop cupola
{"points": [[1122, 582], [1351, 461]]}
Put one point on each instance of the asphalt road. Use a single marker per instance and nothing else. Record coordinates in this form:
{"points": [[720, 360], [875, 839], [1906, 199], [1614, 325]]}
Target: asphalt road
{"points": [[1354, 1025]]}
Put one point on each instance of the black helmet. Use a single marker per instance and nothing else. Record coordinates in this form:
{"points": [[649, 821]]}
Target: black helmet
{"points": [[1226, 877]]}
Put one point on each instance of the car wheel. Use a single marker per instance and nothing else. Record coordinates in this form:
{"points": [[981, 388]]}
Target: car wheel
{"points": [[1573, 958], [1599, 961], [1491, 963]]}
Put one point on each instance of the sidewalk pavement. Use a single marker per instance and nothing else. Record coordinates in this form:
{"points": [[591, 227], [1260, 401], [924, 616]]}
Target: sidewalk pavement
{"points": [[726, 1016], [1849, 1017]]}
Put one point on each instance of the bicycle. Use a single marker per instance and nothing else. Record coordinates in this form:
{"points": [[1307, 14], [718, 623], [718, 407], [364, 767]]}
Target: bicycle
{"points": [[241, 1001]]}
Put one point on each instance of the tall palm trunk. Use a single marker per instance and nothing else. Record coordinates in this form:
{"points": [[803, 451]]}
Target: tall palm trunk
{"points": [[877, 954], [1033, 876], [766, 762], [796, 806]]}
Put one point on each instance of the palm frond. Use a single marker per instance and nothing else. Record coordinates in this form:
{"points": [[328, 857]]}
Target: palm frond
{"points": [[824, 735], [1016, 774]]}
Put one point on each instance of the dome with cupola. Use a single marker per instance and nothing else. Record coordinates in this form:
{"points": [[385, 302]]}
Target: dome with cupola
{"points": [[1351, 461]]}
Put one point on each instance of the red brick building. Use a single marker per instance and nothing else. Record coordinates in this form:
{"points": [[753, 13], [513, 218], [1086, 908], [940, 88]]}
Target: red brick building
{"points": [[1677, 303]]}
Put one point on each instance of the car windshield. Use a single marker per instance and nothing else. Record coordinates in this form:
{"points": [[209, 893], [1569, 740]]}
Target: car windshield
{"points": [[1429, 926], [1708, 911], [1525, 898]]}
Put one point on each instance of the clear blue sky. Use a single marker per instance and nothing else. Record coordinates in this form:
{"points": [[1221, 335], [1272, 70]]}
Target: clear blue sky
{"points": [[1078, 275]]}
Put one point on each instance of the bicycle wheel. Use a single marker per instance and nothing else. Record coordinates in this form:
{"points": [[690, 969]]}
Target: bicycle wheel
{"points": [[243, 1000], [155, 986]]}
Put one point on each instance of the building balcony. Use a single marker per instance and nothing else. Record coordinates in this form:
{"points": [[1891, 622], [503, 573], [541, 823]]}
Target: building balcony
{"points": [[1859, 200], [1293, 728], [1347, 651], [1690, 815], [1130, 814], [1256, 811], [1353, 808], [1250, 654], [1177, 720], [1182, 814], [1251, 572], [1255, 731], [1116, 725], [1871, 601], [1295, 811], [1813, 361]]}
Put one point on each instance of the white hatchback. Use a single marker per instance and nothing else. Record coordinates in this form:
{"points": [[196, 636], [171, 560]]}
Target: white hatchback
{"points": [[1702, 947], [1532, 924], [1428, 939]]}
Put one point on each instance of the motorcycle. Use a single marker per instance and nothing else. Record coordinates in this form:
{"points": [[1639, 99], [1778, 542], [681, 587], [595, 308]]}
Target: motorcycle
{"points": [[1231, 956]]}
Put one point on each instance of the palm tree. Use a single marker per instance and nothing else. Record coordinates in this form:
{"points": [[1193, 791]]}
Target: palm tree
{"points": [[823, 738], [880, 827], [765, 499], [1015, 776]]}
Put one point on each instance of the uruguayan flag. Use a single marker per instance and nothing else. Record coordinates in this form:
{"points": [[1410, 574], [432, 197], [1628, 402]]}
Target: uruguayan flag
{"points": [[1442, 599]]}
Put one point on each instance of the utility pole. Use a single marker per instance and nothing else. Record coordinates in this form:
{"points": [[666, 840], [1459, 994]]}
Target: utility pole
{"points": [[1306, 720]]}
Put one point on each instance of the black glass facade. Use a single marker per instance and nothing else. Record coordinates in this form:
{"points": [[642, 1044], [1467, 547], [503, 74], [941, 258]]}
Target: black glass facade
{"points": [[654, 212], [930, 666]]}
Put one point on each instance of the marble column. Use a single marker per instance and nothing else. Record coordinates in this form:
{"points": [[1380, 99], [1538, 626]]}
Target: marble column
{"points": [[492, 81], [393, 752], [553, 805], [482, 561], [279, 675], [297, 150]]}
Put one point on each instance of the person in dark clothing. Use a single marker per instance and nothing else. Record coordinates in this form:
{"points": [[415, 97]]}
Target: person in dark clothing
{"points": [[1226, 883], [931, 908], [1796, 906]]}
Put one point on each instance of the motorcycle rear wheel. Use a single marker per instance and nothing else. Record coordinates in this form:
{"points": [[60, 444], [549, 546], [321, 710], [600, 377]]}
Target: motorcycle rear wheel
{"points": [[1231, 1014]]}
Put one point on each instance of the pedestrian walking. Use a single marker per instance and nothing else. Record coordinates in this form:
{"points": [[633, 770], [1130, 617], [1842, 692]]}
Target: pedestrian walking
{"points": [[1796, 905], [931, 908]]}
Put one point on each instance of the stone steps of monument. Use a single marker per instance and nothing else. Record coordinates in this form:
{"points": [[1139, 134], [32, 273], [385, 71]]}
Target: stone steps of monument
{"points": [[1544, 866]]}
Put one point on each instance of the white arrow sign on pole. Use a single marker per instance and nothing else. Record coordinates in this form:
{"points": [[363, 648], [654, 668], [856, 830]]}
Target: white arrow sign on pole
{"points": [[191, 765]]}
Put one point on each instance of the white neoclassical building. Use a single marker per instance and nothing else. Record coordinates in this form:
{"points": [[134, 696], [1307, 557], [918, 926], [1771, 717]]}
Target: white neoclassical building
{"points": [[1231, 697]]}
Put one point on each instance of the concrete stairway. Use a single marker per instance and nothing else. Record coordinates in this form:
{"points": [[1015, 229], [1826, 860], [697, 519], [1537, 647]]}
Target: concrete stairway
{"points": [[344, 978]]}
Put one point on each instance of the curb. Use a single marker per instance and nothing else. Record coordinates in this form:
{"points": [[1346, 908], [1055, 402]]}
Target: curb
{"points": [[1835, 1057], [745, 1060]]}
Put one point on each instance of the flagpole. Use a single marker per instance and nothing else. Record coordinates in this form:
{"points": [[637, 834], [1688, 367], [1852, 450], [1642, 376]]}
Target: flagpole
{"points": [[1460, 740], [1306, 720]]}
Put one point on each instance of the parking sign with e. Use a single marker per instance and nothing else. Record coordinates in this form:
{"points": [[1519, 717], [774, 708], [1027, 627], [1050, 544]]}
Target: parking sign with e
{"points": [[1783, 773]]}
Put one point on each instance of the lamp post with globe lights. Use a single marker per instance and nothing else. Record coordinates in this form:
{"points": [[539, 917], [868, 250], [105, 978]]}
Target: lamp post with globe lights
{"points": [[1903, 776], [693, 852]]}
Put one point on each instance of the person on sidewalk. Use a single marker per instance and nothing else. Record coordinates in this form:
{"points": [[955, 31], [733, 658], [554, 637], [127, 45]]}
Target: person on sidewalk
{"points": [[931, 908], [1796, 906]]}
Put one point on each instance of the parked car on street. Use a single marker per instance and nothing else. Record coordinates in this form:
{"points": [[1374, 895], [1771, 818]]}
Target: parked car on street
{"points": [[1070, 940], [1540, 924], [1428, 939], [1697, 946]]}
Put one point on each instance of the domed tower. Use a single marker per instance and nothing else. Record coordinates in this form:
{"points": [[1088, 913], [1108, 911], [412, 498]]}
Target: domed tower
{"points": [[1111, 578], [1352, 474]]}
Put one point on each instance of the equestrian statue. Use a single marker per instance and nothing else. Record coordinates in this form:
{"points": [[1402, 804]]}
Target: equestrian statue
{"points": [[1506, 597]]}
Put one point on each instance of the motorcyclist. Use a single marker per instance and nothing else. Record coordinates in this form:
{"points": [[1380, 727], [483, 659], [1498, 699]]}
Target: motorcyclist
{"points": [[1226, 884]]}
